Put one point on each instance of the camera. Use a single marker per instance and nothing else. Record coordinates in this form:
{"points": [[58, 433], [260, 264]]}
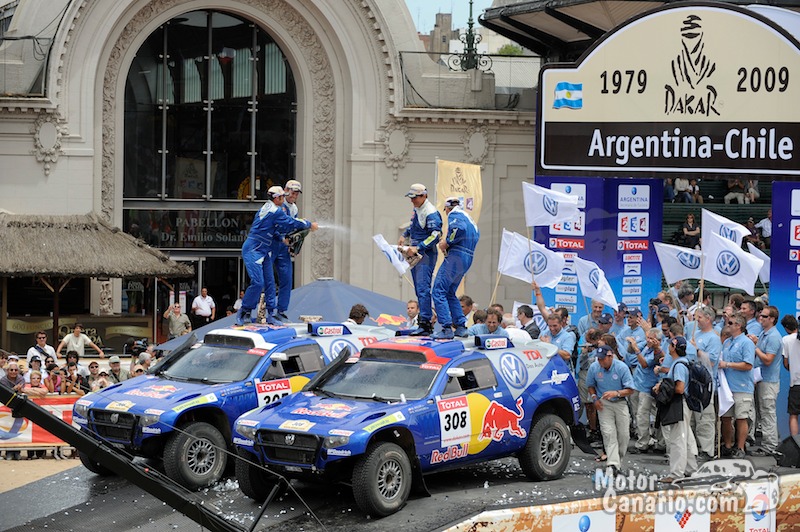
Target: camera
{"points": [[655, 302]]}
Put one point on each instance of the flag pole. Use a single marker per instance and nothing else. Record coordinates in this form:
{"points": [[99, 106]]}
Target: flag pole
{"points": [[500, 267], [494, 292]]}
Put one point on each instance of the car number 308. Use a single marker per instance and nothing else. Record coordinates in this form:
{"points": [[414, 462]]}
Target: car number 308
{"points": [[456, 420], [274, 397]]}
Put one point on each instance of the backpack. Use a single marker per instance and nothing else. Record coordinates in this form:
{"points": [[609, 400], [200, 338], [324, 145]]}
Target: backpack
{"points": [[699, 389], [574, 358]]}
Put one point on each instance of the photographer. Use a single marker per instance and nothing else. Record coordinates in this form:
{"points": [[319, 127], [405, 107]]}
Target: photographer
{"points": [[588, 344], [72, 381]]}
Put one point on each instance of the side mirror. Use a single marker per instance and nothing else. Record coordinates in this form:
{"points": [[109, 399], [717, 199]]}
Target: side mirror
{"points": [[279, 357], [456, 372]]}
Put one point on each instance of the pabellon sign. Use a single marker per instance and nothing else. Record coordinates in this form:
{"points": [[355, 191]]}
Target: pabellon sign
{"points": [[688, 88]]}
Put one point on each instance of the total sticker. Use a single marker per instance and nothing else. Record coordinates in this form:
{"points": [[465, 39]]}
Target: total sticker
{"points": [[454, 421], [271, 391]]}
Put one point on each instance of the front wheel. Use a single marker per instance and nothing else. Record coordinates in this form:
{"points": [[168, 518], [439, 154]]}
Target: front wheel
{"points": [[93, 466], [253, 480], [546, 453], [195, 457], [382, 479]]}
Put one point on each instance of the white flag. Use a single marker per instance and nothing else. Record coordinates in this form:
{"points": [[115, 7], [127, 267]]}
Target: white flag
{"points": [[764, 273], [729, 265], [716, 224], [518, 260], [678, 263], [392, 253], [723, 393], [593, 282], [544, 206]]}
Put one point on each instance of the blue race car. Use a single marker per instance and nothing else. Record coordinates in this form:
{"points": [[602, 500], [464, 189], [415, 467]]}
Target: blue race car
{"points": [[407, 406], [183, 410]]}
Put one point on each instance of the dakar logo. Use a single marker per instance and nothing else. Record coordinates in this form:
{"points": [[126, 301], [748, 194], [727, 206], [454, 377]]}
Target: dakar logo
{"points": [[727, 263], [691, 69], [550, 205], [689, 260], [535, 261], [459, 182], [594, 277]]}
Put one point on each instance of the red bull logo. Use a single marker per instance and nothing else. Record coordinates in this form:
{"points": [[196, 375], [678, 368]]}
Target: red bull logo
{"points": [[334, 406], [499, 419], [388, 319], [452, 453]]}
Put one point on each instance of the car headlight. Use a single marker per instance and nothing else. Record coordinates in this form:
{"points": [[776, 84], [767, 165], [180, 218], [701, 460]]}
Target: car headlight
{"points": [[82, 410], [331, 442], [246, 431], [149, 419]]}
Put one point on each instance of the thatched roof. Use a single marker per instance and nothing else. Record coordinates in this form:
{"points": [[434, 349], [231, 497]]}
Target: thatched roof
{"points": [[77, 246]]}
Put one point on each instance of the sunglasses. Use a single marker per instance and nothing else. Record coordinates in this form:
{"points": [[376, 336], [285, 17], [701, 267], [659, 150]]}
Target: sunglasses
{"points": [[41, 337], [139, 371], [765, 316], [10, 370]]}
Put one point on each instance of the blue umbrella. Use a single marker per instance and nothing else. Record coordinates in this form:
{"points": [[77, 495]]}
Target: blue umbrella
{"points": [[327, 298]]}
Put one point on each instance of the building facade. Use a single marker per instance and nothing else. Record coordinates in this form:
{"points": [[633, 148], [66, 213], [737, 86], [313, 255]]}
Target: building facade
{"points": [[171, 118]]}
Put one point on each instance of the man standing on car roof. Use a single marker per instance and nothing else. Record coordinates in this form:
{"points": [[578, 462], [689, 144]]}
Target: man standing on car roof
{"points": [[270, 222], [459, 245], [424, 233], [282, 258]]}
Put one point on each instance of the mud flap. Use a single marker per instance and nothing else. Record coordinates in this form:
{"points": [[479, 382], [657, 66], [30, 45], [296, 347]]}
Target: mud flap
{"points": [[418, 486], [580, 439]]}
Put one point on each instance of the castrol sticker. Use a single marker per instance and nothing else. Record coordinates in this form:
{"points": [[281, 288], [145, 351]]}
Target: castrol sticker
{"points": [[454, 421], [271, 391]]}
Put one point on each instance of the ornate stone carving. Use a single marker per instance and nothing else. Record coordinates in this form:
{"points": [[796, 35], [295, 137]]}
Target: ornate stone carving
{"points": [[323, 111], [477, 141], [48, 130], [396, 140], [106, 299]]}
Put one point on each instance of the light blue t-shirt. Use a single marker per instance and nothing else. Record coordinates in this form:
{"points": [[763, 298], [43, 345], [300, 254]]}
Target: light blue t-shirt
{"points": [[643, 378], [586, 323], [617, 328], [709, 343], [482, 329], [770, 342], [753, 327], [564, 340], [623, 345], [679, 372], [617, 377], [739, 349]]}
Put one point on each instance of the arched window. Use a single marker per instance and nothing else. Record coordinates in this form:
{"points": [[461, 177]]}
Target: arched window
{"points": [[209, 103]]}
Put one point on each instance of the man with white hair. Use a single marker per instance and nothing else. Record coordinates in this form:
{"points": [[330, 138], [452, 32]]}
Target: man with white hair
{"points": [[269, 223], [515, 334], [423, 233], [459, 247]]}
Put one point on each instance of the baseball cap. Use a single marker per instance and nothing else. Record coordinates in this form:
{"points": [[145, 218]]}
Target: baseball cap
{"points": [[13, 357], [417, 189], [605, 317], [603, 351], [679, 341], [138, 367], [452, 201], [293, 186], [104, 372], [276, 192], [622, 307], [35, 358], [635, 313], [114, 360], [663, 308]]}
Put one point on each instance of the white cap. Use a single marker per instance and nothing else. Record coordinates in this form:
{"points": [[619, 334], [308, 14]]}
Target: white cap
{"points": [[451, 202], [276, 192], [293, 186], [417, 189]]}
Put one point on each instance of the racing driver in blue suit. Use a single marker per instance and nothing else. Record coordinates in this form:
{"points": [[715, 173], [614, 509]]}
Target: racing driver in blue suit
{"points": [[424, 233], [459, 246], [270, 222], [280, 252]]}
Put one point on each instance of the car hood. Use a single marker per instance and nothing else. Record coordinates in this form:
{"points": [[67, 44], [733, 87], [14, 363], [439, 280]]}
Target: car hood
{"points": [[308, 412], [151, 391]]}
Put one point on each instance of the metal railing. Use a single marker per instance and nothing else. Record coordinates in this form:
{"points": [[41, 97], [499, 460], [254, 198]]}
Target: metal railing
{"points": [[434, 80]]}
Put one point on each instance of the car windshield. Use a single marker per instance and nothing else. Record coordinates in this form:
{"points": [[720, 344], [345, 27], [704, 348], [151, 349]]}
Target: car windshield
{"points": [[211, 364], [380, 379]]}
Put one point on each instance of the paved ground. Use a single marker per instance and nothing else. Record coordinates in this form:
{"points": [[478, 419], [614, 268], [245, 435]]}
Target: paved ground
{"points": [[75, 499]]}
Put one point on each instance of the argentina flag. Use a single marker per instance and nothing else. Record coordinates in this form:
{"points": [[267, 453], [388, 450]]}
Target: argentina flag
{"points": [[568, 95]]}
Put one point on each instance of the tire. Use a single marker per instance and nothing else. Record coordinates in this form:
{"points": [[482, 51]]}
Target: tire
{"points": [[382, 479], [253, 480], [195, 457], [546, 453], [94, 467]]}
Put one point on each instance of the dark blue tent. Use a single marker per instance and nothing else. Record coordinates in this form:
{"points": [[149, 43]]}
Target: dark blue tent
{"points": [[327, 298]]}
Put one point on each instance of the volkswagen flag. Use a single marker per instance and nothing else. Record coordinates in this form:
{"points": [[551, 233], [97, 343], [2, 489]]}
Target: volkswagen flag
{"points": [[525, 260], [593, 282], [678, 263], [544, 206], [716, 224], [729, 265]]}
